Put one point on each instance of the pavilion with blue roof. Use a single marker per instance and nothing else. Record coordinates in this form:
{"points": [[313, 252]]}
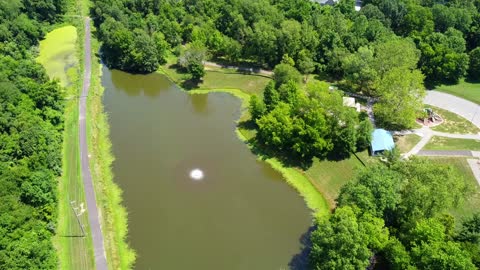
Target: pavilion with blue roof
{"points": [[381, 140]]}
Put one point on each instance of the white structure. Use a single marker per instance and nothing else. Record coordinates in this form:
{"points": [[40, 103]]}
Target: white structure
{"points": [[358, 3], [350, 102]]}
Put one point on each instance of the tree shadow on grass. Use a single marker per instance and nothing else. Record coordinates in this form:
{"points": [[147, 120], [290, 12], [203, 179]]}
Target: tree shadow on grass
{"points": [[300, 261], [287, 159]]}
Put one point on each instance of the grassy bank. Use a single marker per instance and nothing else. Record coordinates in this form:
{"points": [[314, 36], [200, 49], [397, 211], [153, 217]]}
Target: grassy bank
{"points": [[466, 90], [329, 176], [108, 194]]}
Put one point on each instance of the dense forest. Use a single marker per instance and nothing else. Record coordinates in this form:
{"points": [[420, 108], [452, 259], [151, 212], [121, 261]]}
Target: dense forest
{"points": [[31, 123], [320, 39]]}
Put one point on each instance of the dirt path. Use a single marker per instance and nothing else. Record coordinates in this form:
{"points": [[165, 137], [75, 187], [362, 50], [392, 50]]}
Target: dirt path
{"points": [[93, 214], [242, 69]]}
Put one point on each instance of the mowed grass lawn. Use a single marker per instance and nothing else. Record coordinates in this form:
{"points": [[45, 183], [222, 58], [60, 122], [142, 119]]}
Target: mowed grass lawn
{"points": [[471, 202], [453, 123], [406, 142], [230, 79], [443, 143], [466, 90], [218, 78], [57, 53], [330, 176]]}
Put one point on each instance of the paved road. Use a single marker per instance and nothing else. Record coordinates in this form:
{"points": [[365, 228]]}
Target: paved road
{"points": [[93, 214], [460, 106], [451, 153]]}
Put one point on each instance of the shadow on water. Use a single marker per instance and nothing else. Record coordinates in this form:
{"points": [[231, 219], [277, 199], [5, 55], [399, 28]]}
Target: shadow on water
{"points": [[299, 261], [150, 85]]}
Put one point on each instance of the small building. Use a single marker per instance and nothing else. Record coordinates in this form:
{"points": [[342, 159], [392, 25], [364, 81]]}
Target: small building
{"points": [[326, 2], [382, 140], [350, 102]]}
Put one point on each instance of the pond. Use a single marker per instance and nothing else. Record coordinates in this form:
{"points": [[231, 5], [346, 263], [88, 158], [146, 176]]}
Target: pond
{"points": [[239, 214]]}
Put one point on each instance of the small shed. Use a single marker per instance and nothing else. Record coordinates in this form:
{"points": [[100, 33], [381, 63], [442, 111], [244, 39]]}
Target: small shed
{"points": [[381, 140]]}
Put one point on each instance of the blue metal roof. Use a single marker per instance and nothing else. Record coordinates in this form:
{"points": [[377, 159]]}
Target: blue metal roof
{"points": [[382, 140]]}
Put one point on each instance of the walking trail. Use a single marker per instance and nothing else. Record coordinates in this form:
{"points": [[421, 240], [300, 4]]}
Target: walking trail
{"points": [[93, 213]]}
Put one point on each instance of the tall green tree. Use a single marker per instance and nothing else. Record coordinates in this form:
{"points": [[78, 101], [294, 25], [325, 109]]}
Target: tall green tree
{"points": [[401, 93], [443, 57], [474, 66], [284, 73], [344, 241]]}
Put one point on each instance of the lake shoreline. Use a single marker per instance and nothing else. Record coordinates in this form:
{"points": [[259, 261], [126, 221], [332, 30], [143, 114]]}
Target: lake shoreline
{"points": [[295, 178]]}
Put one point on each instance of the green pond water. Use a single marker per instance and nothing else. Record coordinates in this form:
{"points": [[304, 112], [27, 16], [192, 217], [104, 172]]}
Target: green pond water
{"points": [[241, 215]]}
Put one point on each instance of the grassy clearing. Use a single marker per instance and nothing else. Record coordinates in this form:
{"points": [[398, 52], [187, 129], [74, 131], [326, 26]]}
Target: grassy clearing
{"points": [[108, 194], [406, 142], [224, 79], [454, 123], [443, 143], [330, 176], [466, 90], [57, 53], [472, 201], [218, 78]]}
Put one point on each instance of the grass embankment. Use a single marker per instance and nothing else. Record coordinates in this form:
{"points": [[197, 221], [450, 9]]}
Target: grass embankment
{"points": [[59, 54], [405, 143], [454, 123], [471, 203], [466, 90], [330, 176], [443, 143], [108, 194]]}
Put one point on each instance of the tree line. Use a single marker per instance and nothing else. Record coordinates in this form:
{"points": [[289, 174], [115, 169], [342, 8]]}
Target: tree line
{"points": [[388, 50], [136, 34], [31, 124]]}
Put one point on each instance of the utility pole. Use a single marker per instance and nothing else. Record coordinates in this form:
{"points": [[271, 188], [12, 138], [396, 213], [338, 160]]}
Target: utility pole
{"points": [[78, 219]]}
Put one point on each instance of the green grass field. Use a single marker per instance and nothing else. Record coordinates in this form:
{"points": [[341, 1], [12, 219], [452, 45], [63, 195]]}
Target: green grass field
{"points": [[466, 90], [453, 123], [471, 203], [443, 143], [330, 176], [224, 79], [218, 78], [406, 142], [57, 53]]}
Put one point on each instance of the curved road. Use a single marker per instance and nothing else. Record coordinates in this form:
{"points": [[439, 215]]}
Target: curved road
{"points": [[460, 106], [93, 215]]}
